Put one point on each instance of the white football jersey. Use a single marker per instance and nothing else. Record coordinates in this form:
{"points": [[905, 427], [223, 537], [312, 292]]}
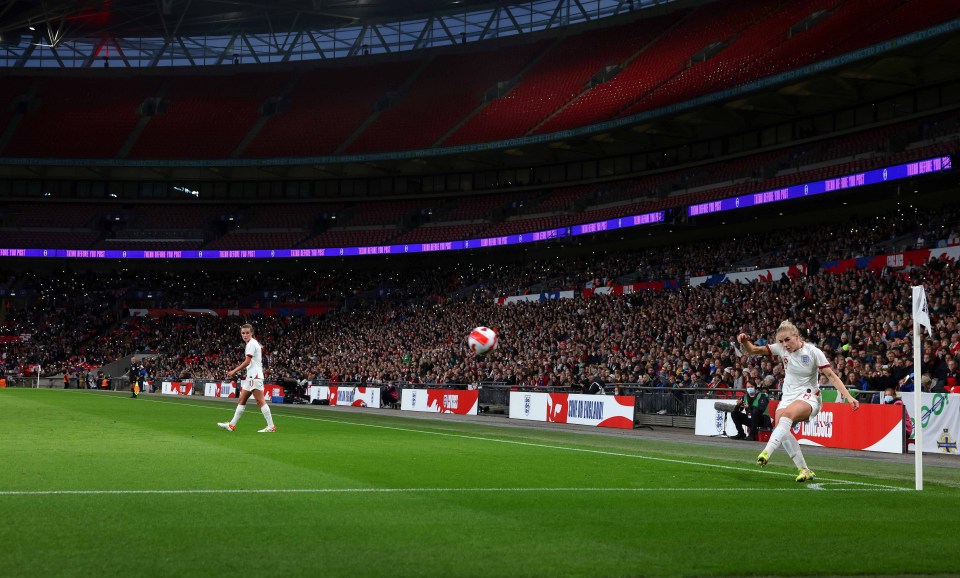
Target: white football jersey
{"points": [[255, 369], [802, 367]]}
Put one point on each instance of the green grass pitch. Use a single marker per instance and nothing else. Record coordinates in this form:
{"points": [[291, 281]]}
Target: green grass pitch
{"points": [[98, 484]]}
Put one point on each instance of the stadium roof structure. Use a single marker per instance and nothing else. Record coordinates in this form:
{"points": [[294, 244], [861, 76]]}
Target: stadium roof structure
{"points": [[151, 33], [899, 66], [876, 74]]}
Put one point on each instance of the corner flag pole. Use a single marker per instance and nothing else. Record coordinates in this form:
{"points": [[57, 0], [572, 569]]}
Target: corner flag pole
{"points": [[921, 316], [917, 392]]}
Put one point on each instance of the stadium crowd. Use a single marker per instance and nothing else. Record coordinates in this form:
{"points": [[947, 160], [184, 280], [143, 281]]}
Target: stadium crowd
{"points": [[411, 326]]}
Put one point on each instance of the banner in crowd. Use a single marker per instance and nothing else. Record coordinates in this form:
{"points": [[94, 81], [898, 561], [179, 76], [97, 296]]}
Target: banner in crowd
{"points": [[549, 296], [774, 274], [630, 289], [176, 388], [940, 419], [875, 263], [219, 389], [349, 396], [219, 312], [458, 401], [894, 261], [616, 411], [875, 428]]}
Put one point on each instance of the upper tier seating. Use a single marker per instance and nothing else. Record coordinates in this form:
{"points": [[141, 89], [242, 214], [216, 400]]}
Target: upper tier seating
{"points": [[351, 237], [405, 104], [449, 89], [325, 107], [81, 117], [207, 116], [559, 76], [247, 239]]}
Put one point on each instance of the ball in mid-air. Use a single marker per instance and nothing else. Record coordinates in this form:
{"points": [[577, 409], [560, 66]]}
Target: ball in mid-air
{"points": [[482, 340]]}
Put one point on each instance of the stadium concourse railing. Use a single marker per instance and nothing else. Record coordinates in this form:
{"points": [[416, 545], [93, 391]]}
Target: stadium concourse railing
{"points": [[659, 406]]}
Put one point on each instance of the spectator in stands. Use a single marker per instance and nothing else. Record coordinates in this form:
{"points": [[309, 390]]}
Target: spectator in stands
{"points": [[890, 397], [862, 304], [949, 376], [801, 391], [751, 411], [595, 386], [769, 385]]}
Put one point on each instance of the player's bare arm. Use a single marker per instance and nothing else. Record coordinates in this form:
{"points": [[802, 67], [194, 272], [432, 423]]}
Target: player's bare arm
{"points": [[237, 369], [836, 382], [748, 347]]}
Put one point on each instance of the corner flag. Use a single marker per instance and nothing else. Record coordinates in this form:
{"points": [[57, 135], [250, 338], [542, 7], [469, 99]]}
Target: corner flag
{"points": [[921, 316], [920, 312]]}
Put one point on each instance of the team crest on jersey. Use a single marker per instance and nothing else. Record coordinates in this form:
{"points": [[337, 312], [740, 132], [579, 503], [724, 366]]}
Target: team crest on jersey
{"points": [[805, 359]]}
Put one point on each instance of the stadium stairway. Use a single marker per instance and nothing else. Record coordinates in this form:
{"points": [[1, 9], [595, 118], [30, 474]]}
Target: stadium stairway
{"points": [[265, 117], [142, 123], [17, 117], [376, 113], [513, 83], [624, 64]]}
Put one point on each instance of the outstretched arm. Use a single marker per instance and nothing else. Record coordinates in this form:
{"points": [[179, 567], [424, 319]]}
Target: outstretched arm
{"points": [[750, 348], [836, 382]]}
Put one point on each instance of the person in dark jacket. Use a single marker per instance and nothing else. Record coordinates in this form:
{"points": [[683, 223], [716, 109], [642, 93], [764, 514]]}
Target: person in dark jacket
{"points": [[134, 376], [751, 411]]}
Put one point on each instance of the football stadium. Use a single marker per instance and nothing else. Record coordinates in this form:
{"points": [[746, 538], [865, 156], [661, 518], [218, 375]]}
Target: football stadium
{"points": [[479, 287]]}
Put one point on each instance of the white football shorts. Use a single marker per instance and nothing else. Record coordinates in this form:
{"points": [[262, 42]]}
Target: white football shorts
{"points": [[811, 397], [251, 384]]}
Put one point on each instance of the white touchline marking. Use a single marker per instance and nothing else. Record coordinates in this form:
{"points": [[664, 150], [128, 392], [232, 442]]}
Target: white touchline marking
{"points": [[535, 445], [402, 491]]}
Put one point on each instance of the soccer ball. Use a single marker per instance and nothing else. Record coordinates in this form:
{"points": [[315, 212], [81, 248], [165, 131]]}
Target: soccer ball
{"points": [[482, 340]]}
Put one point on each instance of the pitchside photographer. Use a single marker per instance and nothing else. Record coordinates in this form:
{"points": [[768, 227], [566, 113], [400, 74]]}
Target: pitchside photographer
{"points": [[752, 411]]}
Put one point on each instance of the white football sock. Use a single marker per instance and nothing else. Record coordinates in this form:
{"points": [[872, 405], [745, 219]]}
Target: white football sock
{"points": [[265, 409], [792, 447], [776, 438], [237, 414]]}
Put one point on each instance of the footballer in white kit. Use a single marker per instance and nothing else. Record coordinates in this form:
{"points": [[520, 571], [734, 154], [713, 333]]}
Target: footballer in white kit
{"points": [[802, 364], [252, 385], [802, 374], [254, 352]]}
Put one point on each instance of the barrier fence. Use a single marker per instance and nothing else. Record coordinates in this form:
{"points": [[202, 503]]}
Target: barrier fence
{"points": [[879, 428], [672, 402]]}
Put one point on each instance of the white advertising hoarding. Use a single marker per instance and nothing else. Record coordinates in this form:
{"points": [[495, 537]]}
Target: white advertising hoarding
{"points": [[940, 418], [176, 388], [615, 411], [348, 396], [712, 422], [219, 389], [458, 401]]}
